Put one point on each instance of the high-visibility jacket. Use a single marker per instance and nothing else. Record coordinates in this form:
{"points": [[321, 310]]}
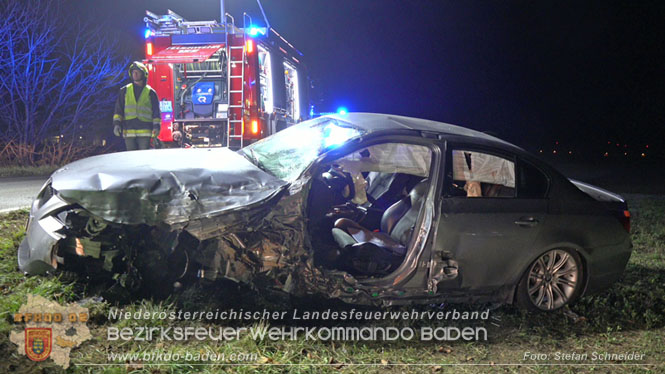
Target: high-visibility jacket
{"points": [[139, 117]]}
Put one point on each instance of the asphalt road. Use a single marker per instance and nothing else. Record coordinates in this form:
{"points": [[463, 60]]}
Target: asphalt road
{"points": [[18, 192]]}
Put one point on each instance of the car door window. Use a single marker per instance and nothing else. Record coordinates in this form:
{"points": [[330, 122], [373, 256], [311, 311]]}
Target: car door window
{"points": [[481, 174], [532, 183]]}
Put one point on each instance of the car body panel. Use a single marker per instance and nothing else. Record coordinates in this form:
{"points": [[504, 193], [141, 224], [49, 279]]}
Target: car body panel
{"points": [[485, 228]]}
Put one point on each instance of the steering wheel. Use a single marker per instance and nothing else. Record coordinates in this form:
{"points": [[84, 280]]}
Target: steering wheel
{"points": [[338, 180]]}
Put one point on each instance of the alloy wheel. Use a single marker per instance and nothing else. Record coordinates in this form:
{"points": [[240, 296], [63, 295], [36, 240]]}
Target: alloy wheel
{"points": [[553, 279]]}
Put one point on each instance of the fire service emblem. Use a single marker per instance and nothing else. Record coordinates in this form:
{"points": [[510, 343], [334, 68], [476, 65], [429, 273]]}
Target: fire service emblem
{"points": [[38, 343]]}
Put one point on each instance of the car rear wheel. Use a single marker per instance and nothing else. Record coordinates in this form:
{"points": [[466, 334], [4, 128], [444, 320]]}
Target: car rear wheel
{"points": [[552, 281]]}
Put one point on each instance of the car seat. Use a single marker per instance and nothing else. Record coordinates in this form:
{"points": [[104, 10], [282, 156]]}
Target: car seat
{"points": [[371, 253]]}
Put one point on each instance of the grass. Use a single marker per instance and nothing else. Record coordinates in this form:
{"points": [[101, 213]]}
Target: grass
{"points": [[629, 317], [27, 171]]}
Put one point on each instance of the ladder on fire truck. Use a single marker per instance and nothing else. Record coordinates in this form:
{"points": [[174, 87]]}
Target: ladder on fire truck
{"points": [[235, 129], [236, 61]]}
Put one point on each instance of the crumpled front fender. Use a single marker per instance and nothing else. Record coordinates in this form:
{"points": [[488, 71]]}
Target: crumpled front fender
{"points": [[35, 254]]}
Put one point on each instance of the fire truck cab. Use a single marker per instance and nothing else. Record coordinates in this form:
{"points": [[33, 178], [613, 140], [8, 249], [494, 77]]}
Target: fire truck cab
{"points": [[221, 85]]}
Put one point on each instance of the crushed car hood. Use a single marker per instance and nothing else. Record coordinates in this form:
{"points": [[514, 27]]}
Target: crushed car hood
{"points": [[167, 186]]}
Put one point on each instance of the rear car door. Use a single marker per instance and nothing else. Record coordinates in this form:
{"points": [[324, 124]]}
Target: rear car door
{"points": [[493, 206]]}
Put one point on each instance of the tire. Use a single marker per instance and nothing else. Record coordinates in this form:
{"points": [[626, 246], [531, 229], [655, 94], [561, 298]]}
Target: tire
{"points": [[555, 279]]}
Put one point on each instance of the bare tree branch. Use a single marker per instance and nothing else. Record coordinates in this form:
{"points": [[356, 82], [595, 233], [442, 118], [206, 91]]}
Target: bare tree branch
{"points": [[55, 78]]}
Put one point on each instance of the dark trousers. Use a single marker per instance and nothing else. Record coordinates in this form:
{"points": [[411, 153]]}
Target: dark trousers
{"points": [[139, 142]]}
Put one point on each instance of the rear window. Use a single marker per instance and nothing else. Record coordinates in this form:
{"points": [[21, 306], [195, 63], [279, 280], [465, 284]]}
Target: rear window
{"points": [[533, 183]]}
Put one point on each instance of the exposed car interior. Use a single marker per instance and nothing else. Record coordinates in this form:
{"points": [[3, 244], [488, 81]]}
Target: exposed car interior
{"points": [[363, 207]]}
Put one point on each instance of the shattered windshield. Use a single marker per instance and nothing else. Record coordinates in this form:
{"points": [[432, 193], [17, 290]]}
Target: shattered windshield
{"points": [[287, 153]]}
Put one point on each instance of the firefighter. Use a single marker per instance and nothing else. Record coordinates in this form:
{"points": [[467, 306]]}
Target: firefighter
{"points": [[137, 117]]}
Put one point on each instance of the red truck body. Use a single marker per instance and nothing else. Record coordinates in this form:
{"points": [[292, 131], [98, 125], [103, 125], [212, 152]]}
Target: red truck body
{"points": [[222, 85]]}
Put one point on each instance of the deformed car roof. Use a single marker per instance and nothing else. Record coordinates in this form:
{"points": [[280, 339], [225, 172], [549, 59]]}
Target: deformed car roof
{"points": [[372, 122]]}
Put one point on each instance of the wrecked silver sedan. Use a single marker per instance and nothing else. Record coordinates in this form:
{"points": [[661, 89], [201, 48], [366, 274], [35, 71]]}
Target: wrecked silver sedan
{"points": [[366, 208]]}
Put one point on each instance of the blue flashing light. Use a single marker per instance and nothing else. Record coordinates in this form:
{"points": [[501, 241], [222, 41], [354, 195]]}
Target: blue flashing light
{"points": [[342, 111], [147, 33], [311, 111], [254, 31]]}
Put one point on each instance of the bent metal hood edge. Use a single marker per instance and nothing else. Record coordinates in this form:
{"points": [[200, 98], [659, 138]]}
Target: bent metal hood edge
{"points": [[168, 186]]}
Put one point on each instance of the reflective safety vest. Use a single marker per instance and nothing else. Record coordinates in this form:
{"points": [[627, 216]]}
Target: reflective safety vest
{"points": [[141, 111]]}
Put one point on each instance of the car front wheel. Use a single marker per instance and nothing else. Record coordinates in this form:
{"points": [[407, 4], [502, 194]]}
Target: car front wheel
{"points": [[552, 281]]}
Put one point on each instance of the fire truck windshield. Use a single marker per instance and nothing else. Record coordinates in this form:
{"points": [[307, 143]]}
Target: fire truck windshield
{"points": [[289, 152]]}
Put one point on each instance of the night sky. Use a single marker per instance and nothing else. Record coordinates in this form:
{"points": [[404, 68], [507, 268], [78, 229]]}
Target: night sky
{"points": [[532, 72]]}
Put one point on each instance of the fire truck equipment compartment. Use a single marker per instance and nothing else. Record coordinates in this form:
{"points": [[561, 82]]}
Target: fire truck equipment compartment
{"points": [[202, 98]]}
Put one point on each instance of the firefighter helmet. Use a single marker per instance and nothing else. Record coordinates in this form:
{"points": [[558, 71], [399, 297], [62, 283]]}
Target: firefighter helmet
{"points": [[137, 65]]}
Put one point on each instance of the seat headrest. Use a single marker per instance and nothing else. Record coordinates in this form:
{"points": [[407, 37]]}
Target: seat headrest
{"points": [[419, 190]]}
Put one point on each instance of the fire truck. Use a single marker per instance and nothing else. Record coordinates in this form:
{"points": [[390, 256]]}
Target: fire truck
{"points": [[223, 85]]}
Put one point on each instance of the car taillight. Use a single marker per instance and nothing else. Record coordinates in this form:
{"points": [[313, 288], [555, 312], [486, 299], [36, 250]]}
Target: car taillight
{"points": [[625, 220]]}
